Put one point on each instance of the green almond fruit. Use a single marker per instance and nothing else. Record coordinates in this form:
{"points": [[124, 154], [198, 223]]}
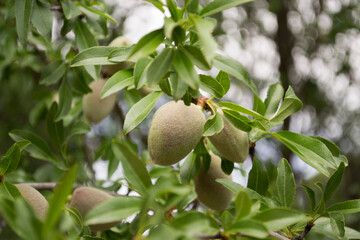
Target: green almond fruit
{"points": [[174, 131], [211, 193], [35, 199], [231, 142], [86, 198], [96, 109]]}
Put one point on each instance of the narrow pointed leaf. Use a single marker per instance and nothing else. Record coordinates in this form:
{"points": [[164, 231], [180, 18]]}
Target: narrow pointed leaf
{"points": [[134, 168], [213, 125], [351, 206], [53, 72], [258, 177], [242, 205], [310, 150], [197, 57], [221, 5], [274, 96], [147, 44], [285, 183], [140, 110], [250, 228], [241, 109], [289, 106], [117, 82], [334, 182], [185, 69], [159, 66], [212, 86], [42, 19], [97, 55], [23, 11], [235, 69]]}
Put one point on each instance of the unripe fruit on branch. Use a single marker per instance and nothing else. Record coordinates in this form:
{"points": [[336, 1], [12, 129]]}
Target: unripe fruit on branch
{"points": [[94, 108], [35, 199], [231, 142], [174, 131], [211, 193], [86, 198], [109, 70]]}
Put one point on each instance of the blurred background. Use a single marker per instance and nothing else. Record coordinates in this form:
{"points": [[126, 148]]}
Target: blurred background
{"points": [[312, 45]]}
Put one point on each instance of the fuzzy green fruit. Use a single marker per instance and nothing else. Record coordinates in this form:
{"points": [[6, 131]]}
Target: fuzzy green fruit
{"points": [[211, 193], [174, 131], [109, 70], [94, 108], [86, 198], [35, 199], [231, 142]]}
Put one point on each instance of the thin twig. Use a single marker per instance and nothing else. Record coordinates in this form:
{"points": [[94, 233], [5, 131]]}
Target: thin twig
{"points": [[307, 229]]}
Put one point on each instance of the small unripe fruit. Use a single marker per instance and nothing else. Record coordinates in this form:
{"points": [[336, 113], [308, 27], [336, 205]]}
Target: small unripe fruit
{"points": [[96, 109], [174, 131], [110, 70], [211, 193], [86, 198], [231, 142], [35, 199]]}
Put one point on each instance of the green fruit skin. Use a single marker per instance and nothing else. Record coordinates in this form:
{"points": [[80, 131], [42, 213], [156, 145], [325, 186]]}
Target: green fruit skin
{"points": [[86, 198], [231, 142], [110, 70], [211, 193], [35, 199], [94, 108], [174, 131]]}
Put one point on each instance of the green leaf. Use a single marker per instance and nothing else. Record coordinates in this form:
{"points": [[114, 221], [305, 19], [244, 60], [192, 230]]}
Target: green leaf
{"points": [[241, 109], [97, 55], [53, 72], [221, 5], [140, 110], [139, 69], [25, 214], [23, 11], [11, 159], [38, 147], [224, 79], [334, 182], [204, 28], [258, 177], [134, 168], [58, 200], [179, 88], [242, 205], [102, 14], [120, 54], [147, 45], [190, 168], [337, 222], [239, 121], [157, 3], [185, 69], [165, 86], [310, 150], [351, 206], [65, 100], [212, 86], [192, 223], [54, 129], [197, 57], [42, 19], [235, 69], [289, 106], [311, 196], [84, 38], [117, 82], [259, 105], [250, 228], [159, 66], [114, 209], [227, 166], [274, 96], [277, 218], [214, 124], [323, 226], [79, 128], [285, 183], [70, 9], [335, 150]]}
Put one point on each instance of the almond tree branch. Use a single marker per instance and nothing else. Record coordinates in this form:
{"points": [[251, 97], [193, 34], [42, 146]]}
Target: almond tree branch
{"points": [[307, 229]]}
